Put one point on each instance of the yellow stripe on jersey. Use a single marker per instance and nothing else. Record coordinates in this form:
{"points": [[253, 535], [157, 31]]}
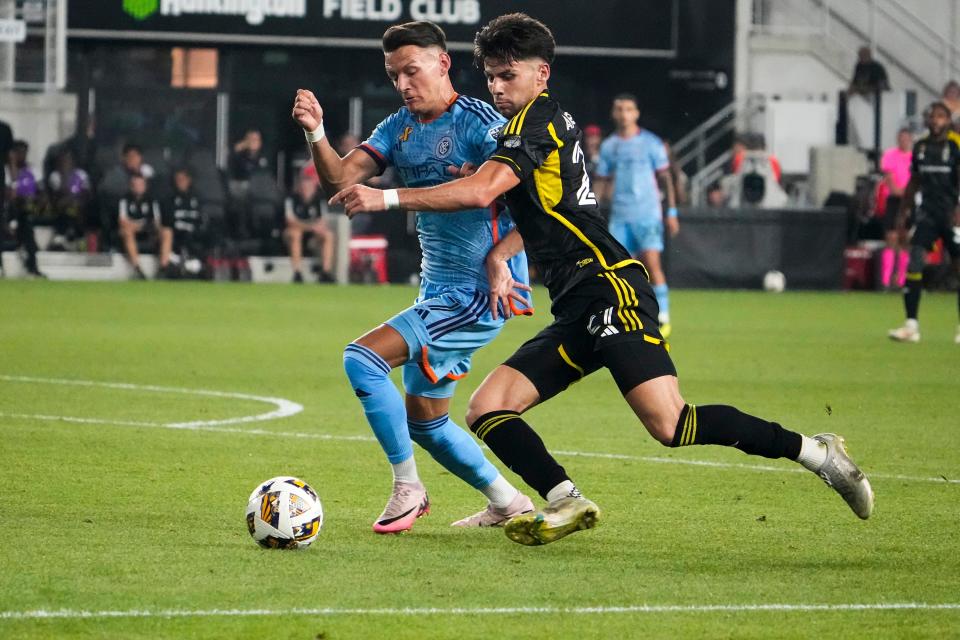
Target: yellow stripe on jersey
{"points": [[566, 358], [553, 134], [510, 160]]}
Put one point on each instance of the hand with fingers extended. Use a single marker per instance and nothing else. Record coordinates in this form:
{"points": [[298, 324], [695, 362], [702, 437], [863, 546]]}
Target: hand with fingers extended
{"points": [[505, 292], [468, 169], [360, 199], [307, 111]]}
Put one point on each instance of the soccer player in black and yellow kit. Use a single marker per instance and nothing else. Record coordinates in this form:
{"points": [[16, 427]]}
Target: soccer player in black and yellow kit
{"points": [[935, 174], [604, 308]]}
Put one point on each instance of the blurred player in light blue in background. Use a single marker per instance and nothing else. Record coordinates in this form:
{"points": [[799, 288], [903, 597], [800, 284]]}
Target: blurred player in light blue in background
{"points": [[633, 162], [434, 138]]}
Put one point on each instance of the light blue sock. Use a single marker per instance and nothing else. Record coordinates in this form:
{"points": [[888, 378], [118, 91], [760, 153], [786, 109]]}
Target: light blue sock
{"points": [[382, 403], [453, 447], [663, 297]]}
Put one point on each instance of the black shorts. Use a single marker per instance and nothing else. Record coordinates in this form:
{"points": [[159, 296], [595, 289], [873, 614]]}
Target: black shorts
{"points": [[930, 227], [890, 215], [616, 329]]}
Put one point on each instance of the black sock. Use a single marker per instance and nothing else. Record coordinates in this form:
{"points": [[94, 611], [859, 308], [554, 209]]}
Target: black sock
{"points": [[729, 427], [911, 297], [520, 448]]}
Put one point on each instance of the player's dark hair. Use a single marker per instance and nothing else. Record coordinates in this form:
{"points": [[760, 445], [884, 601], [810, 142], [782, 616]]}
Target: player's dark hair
{"points": [[127, 148], [628, 96], [512, 37], [940, 105], [421, 33]]}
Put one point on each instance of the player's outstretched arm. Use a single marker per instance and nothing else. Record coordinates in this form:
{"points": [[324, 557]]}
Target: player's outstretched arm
{"points": [[472, 192], [335, 173]]}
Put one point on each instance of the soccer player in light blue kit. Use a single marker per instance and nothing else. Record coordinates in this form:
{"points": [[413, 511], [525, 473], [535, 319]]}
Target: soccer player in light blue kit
{"points": [[635, 161], [434, 138]]}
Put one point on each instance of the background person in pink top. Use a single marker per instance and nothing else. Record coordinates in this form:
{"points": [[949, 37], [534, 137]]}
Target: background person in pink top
{"points": [[895, 165]]}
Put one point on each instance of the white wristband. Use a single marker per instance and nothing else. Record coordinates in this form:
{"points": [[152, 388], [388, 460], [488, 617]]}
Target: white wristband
{"points": [[391, 199], [316, 135]]}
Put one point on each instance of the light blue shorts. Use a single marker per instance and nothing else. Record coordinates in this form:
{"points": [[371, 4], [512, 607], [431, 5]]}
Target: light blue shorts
{"points": [[442, 330], [637, 236]]}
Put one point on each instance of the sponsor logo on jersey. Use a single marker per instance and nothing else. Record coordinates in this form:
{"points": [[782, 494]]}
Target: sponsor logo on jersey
{"points": [[511, 142], [444, 147], [571, 124]]}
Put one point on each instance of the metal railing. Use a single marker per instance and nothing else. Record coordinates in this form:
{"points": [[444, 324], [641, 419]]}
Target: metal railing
{"points": [[40, 62], [842, 27]]}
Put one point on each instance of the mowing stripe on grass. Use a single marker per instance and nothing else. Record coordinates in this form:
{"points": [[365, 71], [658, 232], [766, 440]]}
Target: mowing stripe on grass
{"points": [[583, 454], [74, 614]]}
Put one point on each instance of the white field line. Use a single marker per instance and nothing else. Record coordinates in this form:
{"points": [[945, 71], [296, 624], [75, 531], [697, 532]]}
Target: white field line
{"points": [[73, 614], [287, 408], [284, 408]]}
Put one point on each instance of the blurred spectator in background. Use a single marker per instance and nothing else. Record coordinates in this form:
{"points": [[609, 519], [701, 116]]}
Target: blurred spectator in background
{"points": [[70, 196], [869, 76], [83, 146], [681, 183], [140, 221], [21, 183], [116, 181], [183, 215], [895, 165], [756, 175], [303, 221], [951, 98], [716, 198], [245, 161], [18, 202], [6, 144]]}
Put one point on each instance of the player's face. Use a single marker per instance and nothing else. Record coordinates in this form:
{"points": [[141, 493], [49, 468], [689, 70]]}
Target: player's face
{"points": [[420, 76], [625, 113], [514, 84], [937, 122]]}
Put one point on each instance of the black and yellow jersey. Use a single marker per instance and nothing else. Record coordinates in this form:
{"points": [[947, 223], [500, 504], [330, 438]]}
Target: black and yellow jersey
{"points": [[554, 207], [936, 166]]}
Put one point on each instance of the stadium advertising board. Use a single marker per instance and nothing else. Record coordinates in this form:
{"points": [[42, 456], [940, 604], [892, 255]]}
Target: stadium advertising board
{"points": [[598, 30]]}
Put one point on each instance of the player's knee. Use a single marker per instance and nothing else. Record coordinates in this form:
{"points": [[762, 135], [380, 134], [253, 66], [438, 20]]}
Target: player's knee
{"points": [[363, 365]]}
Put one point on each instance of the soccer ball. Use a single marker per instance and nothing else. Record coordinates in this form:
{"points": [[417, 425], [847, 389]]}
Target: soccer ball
{"points": [[774, 281], [284, 513]]}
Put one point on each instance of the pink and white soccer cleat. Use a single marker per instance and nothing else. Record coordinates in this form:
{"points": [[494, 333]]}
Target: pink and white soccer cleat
{"points": [[408, 502], [493, 517]]}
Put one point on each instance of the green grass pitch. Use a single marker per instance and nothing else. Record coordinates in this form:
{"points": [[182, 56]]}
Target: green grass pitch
{"points": [[113, 511]]}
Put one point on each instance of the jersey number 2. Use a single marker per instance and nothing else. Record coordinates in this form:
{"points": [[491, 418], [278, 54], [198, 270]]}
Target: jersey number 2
{"points": [[585, 195]]}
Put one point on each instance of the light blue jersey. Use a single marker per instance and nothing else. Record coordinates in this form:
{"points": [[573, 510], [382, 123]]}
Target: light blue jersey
{"points": [[632, 163], [454, 246], [450, 319]]}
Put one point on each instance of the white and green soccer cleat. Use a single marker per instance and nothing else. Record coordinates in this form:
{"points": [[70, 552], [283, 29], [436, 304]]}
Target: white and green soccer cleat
{"points": [[844, 476], [557, 520], [909, 332]]}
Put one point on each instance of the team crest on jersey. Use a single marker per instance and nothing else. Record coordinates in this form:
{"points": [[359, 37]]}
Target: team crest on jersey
{"points": [[495, 131], [444, 147], [511, 142]]}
